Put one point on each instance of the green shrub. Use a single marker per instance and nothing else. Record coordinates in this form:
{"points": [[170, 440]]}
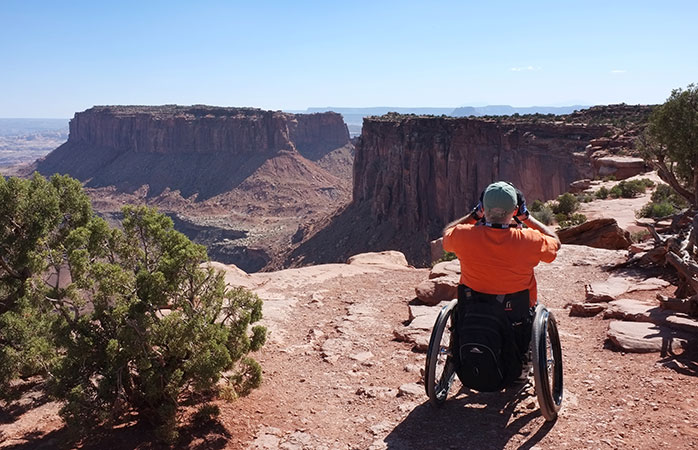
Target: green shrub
{"points": [[447, 256], [629, 189], [615, 192], [585, 197], [573, 220], [536, 205], [560, 217], [639, 236], [646, 182], [140, 322], [602, 193], [656, 210], [664, 192], [545, 215], [566, 204]]}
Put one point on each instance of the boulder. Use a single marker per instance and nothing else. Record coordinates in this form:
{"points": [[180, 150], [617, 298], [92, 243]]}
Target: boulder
{"points": [[446, 268], [418, 331], [644, 337], [580, 186], [436, 290], [436, 248], [599, 233], [386, 258]]}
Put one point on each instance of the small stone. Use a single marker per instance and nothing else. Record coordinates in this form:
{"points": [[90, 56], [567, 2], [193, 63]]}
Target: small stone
{"points": [[410, 390], [362, 357]]}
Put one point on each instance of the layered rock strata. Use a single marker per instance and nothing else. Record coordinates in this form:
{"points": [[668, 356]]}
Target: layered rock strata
{"points": [[413, 174], [239, 180], [200, 150], [421, 173]]}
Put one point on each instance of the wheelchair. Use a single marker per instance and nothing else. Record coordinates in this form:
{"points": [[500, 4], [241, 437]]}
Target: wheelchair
{"points": [[544, 352]]}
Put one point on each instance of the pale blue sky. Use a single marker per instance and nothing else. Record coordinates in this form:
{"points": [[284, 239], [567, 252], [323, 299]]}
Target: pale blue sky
{"points": [[59, 57]]}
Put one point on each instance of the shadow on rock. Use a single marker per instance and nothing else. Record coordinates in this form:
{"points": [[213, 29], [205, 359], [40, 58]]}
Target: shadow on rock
{"points": [[685, 363], [473, 420]]}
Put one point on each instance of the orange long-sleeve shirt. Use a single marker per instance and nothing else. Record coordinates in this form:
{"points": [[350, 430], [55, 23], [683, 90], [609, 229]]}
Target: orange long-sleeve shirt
{"points": [[499, 261]]}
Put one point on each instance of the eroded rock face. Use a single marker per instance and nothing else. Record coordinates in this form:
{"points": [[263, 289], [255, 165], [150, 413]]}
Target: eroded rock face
{"points": [[419, 173], [197, 149], [599, 233]]}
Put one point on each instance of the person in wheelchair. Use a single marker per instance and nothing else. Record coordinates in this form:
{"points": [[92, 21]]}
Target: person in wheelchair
{"points": [[497, 293]]}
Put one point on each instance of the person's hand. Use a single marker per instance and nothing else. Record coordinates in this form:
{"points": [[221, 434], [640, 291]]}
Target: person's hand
{"points": [[522, 212], [478, 211]]}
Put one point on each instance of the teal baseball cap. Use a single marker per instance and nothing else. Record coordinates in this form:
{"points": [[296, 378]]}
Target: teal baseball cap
{"points": [[499, 195]]}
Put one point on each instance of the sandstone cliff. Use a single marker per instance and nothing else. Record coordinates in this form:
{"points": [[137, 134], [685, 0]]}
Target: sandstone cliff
{"points": [[239, 180], [412, 175], [200, 150]]}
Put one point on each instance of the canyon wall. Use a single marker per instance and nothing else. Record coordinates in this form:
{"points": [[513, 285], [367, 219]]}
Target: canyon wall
{"points": [[200, 150], [414, 174], [423, 172]]}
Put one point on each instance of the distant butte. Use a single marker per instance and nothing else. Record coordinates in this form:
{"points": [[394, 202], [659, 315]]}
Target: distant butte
{"points": [[239, 180]]}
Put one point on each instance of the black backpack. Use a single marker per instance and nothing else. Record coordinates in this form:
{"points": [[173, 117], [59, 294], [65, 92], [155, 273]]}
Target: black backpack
{"points": [[487, 343]]}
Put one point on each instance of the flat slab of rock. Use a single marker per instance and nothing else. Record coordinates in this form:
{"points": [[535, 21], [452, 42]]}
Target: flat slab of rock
{"points": [[410, 390], [418, 332], [614, 287], [635, 311], [436, 290], [386, 258], [683, 323], [606, 291], [644, 337], [426, 310], [586, 309]]}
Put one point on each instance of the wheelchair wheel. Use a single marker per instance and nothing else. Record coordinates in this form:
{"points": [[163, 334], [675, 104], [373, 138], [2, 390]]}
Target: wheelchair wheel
{"points": [[547, 363], [440, 369]]}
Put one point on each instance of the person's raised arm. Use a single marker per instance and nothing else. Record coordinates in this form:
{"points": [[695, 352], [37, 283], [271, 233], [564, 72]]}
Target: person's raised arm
{"points": [[472, 217], [534, 223]]}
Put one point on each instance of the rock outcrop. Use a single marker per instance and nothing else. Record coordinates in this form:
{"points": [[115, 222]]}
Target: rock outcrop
{"points": [[197, 150], [421, 172], [414, 174], [599, 233]]}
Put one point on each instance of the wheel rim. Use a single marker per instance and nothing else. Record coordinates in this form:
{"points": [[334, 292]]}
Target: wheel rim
{"points": [[548, 353], [554, 369], [444, 366]]}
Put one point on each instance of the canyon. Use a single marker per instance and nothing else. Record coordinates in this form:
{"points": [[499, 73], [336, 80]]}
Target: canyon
{"points": [[238, 180], [414, 174], [268, 189]]}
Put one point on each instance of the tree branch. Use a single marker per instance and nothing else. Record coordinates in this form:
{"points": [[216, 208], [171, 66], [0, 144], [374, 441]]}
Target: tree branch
{"points": [[667, 175]]}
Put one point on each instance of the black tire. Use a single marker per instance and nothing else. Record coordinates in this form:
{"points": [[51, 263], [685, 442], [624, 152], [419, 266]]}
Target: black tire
{"points": [[439, 371], [547, 363]]}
